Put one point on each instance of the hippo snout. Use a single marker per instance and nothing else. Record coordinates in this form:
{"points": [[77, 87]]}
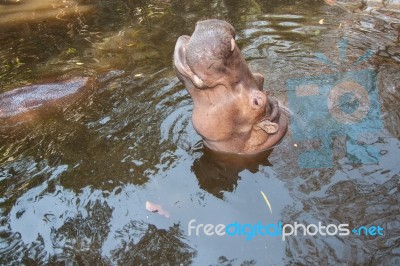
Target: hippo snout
{"points": [[212, 40], [209, 55]]}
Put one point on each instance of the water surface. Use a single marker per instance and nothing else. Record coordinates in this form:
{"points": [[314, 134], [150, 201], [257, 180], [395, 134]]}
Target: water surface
{"points": [[74, 181]]}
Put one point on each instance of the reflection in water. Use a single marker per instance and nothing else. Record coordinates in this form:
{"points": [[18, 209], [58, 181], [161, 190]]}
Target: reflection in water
{"points": [[59, 225], [35, 31], [218, 173], [15, 12], [74, 183], [155, 247], [358, 204]]}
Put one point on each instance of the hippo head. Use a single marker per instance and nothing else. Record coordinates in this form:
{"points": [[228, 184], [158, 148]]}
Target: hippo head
{"points": [[231, 111]]}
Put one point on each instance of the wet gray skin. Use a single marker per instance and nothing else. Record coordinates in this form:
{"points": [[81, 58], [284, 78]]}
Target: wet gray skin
{"points": [[22, 101], [74, 181]]}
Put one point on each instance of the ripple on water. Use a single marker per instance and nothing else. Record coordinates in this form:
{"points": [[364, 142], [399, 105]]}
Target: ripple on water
{"points": [[177, 127], [275, 34]]}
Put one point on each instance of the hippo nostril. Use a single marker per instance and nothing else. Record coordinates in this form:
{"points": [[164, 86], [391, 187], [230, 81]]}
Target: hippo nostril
{"points": [[255, 102]]}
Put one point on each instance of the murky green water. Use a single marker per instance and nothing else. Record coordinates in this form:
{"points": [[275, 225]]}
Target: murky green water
{"points": [[74, 181]]}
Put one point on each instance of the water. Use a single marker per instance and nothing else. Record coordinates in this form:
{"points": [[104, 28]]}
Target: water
{"points": [[75, 180]]}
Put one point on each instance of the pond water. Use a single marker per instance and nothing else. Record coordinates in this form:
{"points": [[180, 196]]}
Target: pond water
{"points": [[74, 180]]}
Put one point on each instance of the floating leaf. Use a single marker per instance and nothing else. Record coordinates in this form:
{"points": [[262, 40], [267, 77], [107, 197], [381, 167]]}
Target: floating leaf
{"points": [[267, 201]]}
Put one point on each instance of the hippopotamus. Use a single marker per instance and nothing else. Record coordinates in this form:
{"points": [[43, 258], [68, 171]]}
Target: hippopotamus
{"points": [[19, 103], [231, 111]]}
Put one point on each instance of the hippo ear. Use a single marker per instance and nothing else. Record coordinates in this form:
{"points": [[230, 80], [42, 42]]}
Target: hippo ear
{"points": [[267, 126], [181, 64]]}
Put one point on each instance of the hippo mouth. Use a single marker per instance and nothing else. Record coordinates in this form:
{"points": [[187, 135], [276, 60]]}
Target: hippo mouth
{"points": [[185, 73], [205, 57]]}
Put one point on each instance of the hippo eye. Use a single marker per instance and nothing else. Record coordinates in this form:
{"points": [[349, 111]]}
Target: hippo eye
{"points": [[255, 102]]}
